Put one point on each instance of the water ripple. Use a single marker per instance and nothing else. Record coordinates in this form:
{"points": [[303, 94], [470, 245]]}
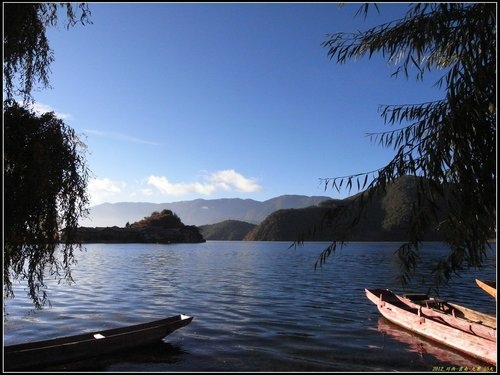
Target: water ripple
{"points": [[257, 306]]}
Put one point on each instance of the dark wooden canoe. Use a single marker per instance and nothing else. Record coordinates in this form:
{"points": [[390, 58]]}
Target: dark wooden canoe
{"points": [[41, 354], [406, 314]]}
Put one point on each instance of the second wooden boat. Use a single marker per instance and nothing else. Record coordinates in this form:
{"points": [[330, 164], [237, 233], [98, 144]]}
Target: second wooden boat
{"points": [[40, 354], [489, 287]]}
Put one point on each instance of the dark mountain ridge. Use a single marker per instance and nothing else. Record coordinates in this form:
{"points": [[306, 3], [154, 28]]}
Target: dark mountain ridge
{"points": [[386, 219]]}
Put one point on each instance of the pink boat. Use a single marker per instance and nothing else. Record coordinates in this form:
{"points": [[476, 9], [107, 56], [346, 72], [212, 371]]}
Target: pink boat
{"points": [[442, 326]]}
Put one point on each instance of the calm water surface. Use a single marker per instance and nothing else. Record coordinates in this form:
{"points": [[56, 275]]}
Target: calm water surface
{"points": [[257, 306]]}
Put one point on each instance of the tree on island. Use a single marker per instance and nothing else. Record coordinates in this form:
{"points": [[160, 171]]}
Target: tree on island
{"points": [[450, 143], [45, 175], [165, 219]]}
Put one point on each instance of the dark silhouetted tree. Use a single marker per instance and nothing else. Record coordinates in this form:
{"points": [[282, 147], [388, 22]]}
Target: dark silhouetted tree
{"points": [[45, 182], [165, 219], [45, 176], [450, 143]]}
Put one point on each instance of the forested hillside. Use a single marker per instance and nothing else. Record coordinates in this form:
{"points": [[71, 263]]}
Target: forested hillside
{"points": [[227, 230], [386, 219]]}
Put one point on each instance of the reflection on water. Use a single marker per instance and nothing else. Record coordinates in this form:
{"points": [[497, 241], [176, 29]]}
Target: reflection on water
{"points": [[258, 306], [423, 346], [160, 352]]}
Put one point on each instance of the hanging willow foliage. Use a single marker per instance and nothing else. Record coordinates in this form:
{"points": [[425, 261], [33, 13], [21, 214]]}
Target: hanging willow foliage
{"points": [[27, 54], [450, 144], [45, 176], [45, 182]]}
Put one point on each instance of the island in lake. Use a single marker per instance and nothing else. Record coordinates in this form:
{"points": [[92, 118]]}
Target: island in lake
{"points": [[159, 227]]}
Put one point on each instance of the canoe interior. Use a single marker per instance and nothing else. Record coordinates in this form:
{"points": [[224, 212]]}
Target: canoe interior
{"points": [[459, 311]]}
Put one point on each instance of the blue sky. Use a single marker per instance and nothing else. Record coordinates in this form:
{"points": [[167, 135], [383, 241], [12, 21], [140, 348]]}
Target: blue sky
{"points": [[179, 101]]}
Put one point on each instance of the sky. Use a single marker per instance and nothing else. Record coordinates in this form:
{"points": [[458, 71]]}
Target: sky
{"points": [[180, 101]]}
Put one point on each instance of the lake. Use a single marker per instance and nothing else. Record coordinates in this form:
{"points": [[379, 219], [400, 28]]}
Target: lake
{"points": [[257, 306]]}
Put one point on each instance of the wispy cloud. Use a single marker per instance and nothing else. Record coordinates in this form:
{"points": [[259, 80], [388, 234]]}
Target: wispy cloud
{"points": [[41, 108], [225, 180], [120, 137]]}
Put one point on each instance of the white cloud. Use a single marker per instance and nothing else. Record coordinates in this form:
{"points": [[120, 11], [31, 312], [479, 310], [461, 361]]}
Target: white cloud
{"points": [[40, 108], [167, 188], [147, 192], [230, 178], [101, 189], [225, 180]]}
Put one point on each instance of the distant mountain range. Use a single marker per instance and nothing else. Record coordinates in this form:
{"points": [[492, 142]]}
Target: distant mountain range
{"points": [[284, 218], [197, 212]]}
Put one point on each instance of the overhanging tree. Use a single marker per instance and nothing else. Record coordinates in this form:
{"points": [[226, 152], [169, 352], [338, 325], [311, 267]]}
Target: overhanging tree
{"points": [[45, 176], [450, 144], [45, 181], [27, 54]]}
